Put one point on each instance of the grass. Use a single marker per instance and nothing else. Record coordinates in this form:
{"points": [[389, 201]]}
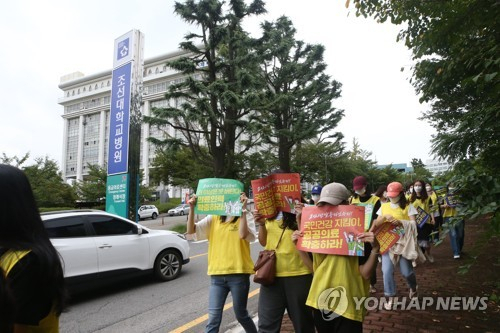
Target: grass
{"points": [[180, 228]]}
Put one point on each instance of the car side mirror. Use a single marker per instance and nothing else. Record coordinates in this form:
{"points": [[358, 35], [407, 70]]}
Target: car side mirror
{"points": [[139, 230]]}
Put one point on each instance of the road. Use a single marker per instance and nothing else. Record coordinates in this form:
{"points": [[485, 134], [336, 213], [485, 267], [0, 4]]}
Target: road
{"points": [[146, 305]]}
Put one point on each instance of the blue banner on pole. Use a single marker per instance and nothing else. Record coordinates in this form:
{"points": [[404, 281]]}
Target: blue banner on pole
{"points": [[119, 120]]}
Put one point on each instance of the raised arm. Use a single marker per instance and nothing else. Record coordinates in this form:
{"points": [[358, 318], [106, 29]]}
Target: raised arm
{"points": [[191, 227]]}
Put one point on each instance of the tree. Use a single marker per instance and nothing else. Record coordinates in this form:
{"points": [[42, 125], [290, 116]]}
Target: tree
{"points": [[93, 186], [420, 171], [178, 167], [298, 95], [49, 188], [455, 45], [317, 161], [14, 160], [212, 106]]}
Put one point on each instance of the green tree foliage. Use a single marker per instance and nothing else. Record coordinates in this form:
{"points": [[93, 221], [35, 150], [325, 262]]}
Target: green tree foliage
{"points": [[456, 48], [14, 160], [49, 188], [212, 106], [93, 186], [299, 94], [178, 167], [317, 161], [419, 170]]}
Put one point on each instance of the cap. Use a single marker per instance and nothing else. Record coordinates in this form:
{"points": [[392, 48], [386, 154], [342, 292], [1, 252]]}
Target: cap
{"points": [[316, 189], [359, 182], [394, 188], [334, 194]]}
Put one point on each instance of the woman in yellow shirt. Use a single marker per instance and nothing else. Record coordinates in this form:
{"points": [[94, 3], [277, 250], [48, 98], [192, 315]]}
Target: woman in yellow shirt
{"points": [[420, 200], [229, 262], [335, 276], [293, 278]]}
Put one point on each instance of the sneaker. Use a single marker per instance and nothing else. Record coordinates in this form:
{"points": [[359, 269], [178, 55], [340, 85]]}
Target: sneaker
{"points": [[429, 257], [373, 290], [388, 305], [414, 294], [457, 256]]}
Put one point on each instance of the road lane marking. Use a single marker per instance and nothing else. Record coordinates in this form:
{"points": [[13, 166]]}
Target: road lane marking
{"points": [[203, 318]]}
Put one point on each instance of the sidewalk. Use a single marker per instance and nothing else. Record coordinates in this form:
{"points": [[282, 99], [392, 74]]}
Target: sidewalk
{"points": [[441, 279]]}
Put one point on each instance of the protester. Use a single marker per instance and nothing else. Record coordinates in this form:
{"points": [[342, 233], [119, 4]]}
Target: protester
{"points": [[436, 211], [420, 199], [315, 192], [293, 278], [28, 259], [361, 196], [456, 226], [381, 193], [398, 212], [229, 261], [331, 271]]}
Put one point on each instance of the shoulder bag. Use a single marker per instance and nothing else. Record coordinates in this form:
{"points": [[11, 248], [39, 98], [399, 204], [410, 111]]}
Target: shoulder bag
{"points": [[265, 266]]}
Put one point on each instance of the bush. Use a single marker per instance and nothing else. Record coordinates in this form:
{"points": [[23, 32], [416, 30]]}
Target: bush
{"points": [[163, 208], [180, 228]]}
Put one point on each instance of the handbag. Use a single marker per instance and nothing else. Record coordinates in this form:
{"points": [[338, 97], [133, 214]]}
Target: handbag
{"points": [[265, 266]]}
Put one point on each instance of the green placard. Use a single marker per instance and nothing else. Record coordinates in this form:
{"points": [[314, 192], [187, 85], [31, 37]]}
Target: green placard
{"points": [[218, 196], [117, 194], [368, 213]]}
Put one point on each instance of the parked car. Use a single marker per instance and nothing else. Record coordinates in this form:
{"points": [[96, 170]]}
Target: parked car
{"points": [[95, 245], [146, 211], [179, 210]]}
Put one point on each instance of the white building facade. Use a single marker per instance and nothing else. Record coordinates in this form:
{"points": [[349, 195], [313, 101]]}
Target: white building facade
{"points": [[86, 105], [437, 166]]}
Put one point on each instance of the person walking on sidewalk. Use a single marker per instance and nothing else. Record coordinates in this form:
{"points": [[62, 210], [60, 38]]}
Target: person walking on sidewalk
{"points": [[229, 262], [398, 212], [293, 278], [420, 200], [456, 226], [335, 271], [362, 196]]}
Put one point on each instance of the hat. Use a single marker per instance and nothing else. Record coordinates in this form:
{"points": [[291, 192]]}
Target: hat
{"points": [[334, 194], [394, 188], [359, 182], [316, 189]]}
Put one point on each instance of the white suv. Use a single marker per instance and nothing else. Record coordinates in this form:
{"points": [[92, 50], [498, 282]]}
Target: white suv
{"points": [[146, 211], [95, 244]]}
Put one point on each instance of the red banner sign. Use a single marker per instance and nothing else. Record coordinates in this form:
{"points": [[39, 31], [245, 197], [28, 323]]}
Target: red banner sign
{"points": [[276, 192], [387, 235], [332, 230]]}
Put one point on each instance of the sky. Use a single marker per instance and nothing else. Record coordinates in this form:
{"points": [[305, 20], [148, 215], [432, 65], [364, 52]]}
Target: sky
{"points": [[43, 41]]}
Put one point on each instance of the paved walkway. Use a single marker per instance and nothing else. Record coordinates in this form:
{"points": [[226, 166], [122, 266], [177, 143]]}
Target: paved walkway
{"points": [[441, 279]]}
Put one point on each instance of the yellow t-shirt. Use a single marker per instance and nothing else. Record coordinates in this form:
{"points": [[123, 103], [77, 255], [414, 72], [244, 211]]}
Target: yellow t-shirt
{"points": [[425, 204], [288, 261], [396, 212], [337, 276], [227, 252], [372, 201], [450, 212], [49, 324]]}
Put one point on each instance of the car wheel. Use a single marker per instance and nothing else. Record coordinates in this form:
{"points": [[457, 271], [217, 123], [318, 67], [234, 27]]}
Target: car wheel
{"points": [[181, 213], [168, 265], [154, 216]]}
